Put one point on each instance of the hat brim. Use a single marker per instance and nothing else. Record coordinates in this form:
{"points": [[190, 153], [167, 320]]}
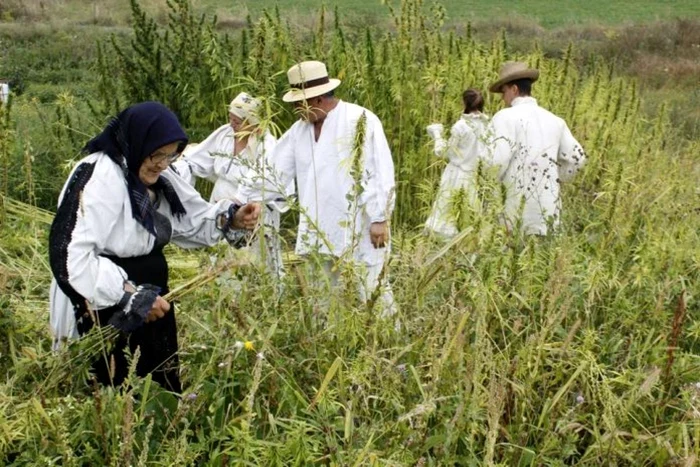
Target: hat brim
{"points": [[296, 95], [529, 73]]}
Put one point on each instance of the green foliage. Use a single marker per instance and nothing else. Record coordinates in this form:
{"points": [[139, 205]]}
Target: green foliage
{"points": [[579, 348]]}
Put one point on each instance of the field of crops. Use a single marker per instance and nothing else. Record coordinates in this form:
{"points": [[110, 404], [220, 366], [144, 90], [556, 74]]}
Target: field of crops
{"points": [[579, 349], [546, 13]]}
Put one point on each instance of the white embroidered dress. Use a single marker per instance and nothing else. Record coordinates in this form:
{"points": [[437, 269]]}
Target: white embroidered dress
{"points": [[535, 150], [467, 145], [105, 226]]}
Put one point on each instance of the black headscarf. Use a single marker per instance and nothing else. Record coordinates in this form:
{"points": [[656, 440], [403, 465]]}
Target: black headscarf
{"points": [[128, 139]]}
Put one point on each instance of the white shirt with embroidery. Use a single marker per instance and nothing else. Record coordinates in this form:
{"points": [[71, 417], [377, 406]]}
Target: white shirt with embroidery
{"points": [[105, 225], [535, 151]]}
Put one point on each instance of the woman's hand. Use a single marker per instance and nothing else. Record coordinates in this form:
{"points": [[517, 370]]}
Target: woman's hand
{"points": [[158, 310], [246, 217]]}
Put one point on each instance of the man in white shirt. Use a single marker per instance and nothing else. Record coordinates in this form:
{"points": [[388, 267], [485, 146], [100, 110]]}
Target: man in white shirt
{"points": [[534, 150], [342, 163]]}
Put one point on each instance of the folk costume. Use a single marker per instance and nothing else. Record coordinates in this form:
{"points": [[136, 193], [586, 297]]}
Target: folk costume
{"points": [[345, 179], [466, 146], [108, 231], [535, 151]]}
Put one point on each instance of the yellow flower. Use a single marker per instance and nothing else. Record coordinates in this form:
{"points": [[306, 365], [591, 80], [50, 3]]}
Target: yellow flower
{"points": [[248, 345]]}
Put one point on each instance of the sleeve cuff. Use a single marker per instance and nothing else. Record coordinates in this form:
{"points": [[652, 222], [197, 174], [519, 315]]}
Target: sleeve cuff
{"points": [[134, 308], [237, 238]]}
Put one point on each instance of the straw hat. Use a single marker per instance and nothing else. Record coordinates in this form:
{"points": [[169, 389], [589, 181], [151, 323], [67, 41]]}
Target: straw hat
{"points": [[307, 80], [510, 71], [245, 107]]}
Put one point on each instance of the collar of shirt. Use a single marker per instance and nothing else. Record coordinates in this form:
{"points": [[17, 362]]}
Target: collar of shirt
{"points": [[523, 100]]}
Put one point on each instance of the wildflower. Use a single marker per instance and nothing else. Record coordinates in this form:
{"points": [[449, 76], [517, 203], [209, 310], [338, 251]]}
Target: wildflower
{"points": [[248, 345], [261, 356], [238, 345], [580, 399], [191, 396], [222, 365]]}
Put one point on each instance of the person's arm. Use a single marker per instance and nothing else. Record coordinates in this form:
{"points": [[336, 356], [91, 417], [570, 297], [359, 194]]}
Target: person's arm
{"points": [[379, 184], [239, 170], [439, 144], [271, 181], [199, 161], [205, 224], [90, 207], [571, 155]]}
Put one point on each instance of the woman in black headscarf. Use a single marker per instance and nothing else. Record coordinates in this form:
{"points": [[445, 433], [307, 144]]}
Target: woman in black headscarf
{"points": [[121, 205]]}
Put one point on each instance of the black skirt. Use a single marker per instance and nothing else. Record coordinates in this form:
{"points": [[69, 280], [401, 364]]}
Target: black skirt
{"points": [[156, 340]]}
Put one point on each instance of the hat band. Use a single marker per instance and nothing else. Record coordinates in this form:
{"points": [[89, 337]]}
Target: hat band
{"points": [[311, 84]]}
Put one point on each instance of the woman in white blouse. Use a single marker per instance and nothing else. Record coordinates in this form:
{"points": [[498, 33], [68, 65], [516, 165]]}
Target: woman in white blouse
{"points": [[231, 157], [120, 206], [466, 146]]}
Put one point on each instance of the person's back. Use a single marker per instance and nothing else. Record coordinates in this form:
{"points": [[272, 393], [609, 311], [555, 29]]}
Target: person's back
{"points": [[535, 151], [466, 147]]}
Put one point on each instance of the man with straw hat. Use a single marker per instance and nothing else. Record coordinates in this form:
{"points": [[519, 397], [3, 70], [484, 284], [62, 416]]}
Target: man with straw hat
{"points": [[342, 163], [230, 157], [534, 149]]}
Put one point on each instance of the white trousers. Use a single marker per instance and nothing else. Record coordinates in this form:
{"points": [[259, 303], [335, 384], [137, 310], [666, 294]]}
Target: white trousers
{"points": [[368, 276]]}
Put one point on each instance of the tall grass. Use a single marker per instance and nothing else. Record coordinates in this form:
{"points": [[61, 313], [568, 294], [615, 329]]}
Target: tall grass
{"points": [[575, 349]]}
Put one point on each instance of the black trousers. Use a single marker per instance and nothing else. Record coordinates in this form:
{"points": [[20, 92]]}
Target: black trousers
{"points": [[156, 340]]}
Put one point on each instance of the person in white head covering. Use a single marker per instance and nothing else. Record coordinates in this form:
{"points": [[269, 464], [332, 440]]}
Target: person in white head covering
{"points": [[341, 160], [232, 155], [534, 150]]}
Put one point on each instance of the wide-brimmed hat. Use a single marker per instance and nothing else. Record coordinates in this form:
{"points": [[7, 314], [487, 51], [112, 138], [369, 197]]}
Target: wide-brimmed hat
{"points": [[307, 80], [511, 71], [245, 107]]}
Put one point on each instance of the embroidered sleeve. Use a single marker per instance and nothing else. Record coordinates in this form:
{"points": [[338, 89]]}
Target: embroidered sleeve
{"points": [[88, 211], [198, 160], [183, 168], [135, 307], [235, 237], [439, 144], [571, 155]]}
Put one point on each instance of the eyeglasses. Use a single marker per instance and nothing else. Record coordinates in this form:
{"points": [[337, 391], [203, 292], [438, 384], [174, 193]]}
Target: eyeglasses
{"points": [[160, 158]]}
